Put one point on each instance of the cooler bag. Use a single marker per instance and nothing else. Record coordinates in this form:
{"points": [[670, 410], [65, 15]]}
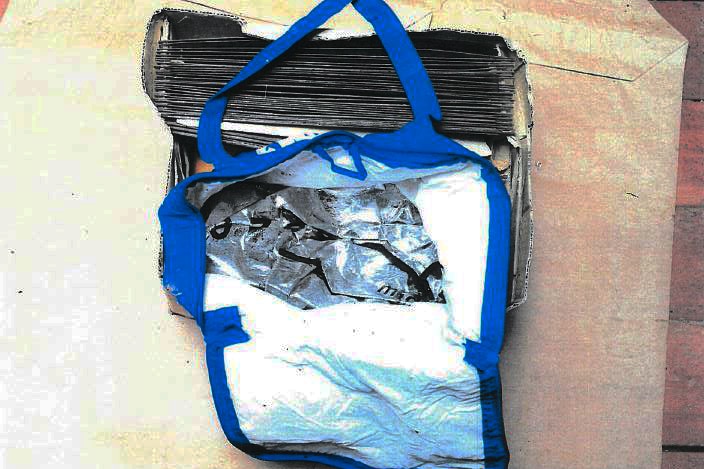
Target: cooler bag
{"points": [[351, 288]]}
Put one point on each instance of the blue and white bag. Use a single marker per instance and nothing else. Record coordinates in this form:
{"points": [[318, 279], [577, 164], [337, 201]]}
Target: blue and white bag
{"points": [[395, 379]]}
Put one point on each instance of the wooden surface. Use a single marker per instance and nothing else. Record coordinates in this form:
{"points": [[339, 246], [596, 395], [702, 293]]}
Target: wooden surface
{"points": [[683, 419]]}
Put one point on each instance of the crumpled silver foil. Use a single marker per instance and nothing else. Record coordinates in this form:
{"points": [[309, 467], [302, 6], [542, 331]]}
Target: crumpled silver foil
{"points": [[319, 247]]}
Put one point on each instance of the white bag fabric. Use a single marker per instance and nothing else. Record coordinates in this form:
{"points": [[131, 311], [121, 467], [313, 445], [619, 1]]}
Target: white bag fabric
{"points": [[386, 385]]}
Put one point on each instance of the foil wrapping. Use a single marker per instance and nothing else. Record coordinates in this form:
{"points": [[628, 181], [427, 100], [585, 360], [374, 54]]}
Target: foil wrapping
{"points": [[319, 247]]}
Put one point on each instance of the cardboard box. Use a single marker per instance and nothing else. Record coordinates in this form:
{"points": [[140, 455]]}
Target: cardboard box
{"points": [[511, 150], [100, 378]]}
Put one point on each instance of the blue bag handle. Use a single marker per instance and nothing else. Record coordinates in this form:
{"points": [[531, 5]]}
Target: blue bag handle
{"points": [[393, 36]]}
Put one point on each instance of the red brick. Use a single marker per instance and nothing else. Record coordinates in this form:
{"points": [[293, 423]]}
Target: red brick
{"points": [[687, 285], [688, 18], [683, 461], [683, 422], [3, 7], [690, 175]]}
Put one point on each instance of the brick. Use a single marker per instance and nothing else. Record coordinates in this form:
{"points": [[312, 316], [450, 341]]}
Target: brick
{"points": [[683, 461], [690, 174], [683, 419], [3, 7], [687, 284], [688, 18]]}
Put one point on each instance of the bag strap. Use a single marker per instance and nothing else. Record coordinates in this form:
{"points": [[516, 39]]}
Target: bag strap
{"points": [[400, 49]]}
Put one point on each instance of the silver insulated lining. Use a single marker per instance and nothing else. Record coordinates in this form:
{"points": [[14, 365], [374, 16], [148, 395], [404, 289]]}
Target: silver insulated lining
{"points": [[320, 247]]}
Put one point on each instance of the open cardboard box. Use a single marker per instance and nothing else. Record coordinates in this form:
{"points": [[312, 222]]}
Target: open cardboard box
{"points": [[583, 365], [510, 153]]}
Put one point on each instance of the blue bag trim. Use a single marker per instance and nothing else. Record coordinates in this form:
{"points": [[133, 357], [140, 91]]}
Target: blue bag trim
{"points": [[416, 145], [222, 328], [496, 453]]}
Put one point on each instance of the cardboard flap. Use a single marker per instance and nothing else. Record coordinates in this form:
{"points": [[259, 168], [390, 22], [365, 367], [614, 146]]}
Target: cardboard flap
{"points": [[605, 38], [610, 38]]}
